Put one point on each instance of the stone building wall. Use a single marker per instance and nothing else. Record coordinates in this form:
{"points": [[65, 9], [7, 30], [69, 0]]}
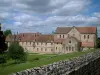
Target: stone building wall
{"points": [[88, 64]]}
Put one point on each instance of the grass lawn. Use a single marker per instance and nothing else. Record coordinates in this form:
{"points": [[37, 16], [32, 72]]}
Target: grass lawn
{"points": [[43, 60]]}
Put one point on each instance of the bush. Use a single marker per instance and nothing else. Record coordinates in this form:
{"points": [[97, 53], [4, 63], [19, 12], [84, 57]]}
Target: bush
{"points": [[36, 58], [2, 60], [16, 52]]}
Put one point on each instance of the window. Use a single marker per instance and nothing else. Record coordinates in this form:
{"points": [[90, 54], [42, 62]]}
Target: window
{"points": [[45, 49], [51, 49], [88, 36], [63, 36], [56, 48], [60, 36], [84, 36], [30, 43], [69, 41], [69, 48], [45, 43]]}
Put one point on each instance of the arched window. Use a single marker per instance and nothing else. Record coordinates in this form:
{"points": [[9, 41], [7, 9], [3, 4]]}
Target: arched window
{"points": [[63, 36], [84, 36], [88, 36], [60, 36], [66, 48], [69, 41], [69, 48], [56, 48]]}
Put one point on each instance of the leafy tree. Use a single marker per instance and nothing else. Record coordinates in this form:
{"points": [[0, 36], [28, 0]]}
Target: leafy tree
{"points": [[98, 43], [3, 45], [16, 52], [7, 32]]}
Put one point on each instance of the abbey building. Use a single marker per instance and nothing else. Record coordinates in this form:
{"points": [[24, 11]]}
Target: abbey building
{"points": [[65, 40]]}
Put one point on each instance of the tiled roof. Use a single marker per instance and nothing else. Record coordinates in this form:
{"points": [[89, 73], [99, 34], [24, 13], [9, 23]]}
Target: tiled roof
{"points": [[45, 38], [65, 30], [86, 29], [23, 37], [87, 44], [31, 37]]}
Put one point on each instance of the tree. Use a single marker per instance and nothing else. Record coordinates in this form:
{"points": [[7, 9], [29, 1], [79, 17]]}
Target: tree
{"points": [[16, 52], [3, 45], [98, 43], [7, 32], [53, 32]]}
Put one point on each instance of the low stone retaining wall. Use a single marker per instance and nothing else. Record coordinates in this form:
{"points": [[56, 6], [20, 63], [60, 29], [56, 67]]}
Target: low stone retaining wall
{"points": [[88, 64]]}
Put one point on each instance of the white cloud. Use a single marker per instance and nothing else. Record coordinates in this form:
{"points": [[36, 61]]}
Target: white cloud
{"points": [[28, 15]]}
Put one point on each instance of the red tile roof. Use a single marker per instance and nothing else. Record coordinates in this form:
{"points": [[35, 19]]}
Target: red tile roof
{"points": [[87, 44], [31, 37], [62, 30], [45, 38], [65, 30], [23, 37], [86, 29]]}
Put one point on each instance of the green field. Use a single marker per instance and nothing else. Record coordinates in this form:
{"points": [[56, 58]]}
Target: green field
{"points": [[35, 60]]}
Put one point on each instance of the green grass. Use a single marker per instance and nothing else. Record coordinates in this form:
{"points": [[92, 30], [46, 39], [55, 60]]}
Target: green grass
{"points": [[43, 60]]}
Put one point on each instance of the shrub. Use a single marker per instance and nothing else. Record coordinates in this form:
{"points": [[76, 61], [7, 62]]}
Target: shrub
{"points": [[16, 52], [36, 58], [2, 60]]}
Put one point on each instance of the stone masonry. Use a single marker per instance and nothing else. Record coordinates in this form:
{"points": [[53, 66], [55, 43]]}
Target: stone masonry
{"points": [[88, 64]]}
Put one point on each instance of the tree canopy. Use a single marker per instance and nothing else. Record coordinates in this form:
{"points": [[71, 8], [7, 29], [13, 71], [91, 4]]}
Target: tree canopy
{"points": [[7, 32], [3, 45], [16, 52]]}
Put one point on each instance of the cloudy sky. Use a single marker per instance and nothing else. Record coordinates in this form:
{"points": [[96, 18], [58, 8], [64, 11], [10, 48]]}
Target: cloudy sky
{"points": [[45, 15]]}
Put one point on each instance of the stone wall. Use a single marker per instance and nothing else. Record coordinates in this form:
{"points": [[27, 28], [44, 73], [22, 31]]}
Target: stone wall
{"points": [[88, 64]]}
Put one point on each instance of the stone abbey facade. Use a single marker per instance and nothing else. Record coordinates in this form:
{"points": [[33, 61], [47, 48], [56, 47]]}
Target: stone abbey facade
{"points": [[65, 40]]}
